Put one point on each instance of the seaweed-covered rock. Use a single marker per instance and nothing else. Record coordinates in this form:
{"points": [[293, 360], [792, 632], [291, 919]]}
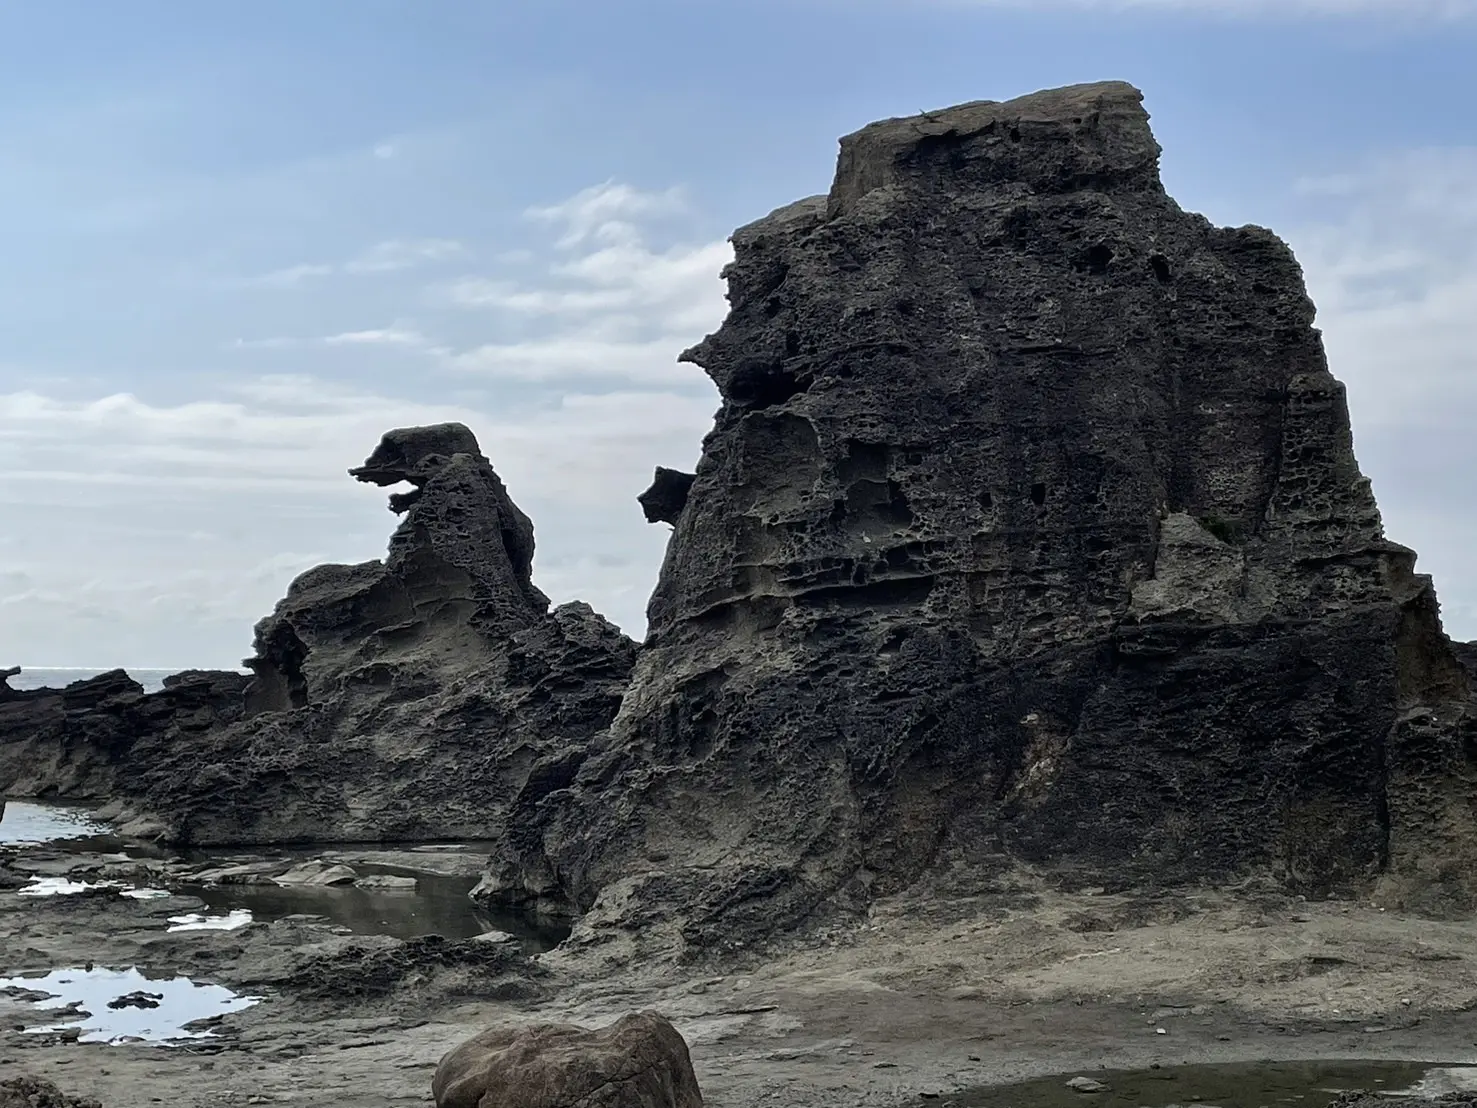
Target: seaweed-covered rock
{"points": [[1029, 529]]}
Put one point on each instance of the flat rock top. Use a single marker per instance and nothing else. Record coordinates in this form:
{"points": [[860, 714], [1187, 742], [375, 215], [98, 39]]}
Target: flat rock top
{"points": [[1049, 140]]}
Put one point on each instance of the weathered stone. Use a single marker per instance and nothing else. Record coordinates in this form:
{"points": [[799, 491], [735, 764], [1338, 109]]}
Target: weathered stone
{"points": [[640, 1061], [316, 873], [387, 882], [664, 500], [1030, 529]]}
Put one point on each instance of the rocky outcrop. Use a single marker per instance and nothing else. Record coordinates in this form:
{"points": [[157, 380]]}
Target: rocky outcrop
{"points": [[1029, 530], [74, 742], [404, 699], [639, 1061]]}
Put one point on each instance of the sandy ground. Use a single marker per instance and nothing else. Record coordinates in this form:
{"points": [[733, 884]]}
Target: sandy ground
{"points": [[922, 1000]]}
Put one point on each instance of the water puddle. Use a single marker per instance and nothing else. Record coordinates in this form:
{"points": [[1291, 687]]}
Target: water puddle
{"points": [[436, 906], [123, 1006], [1238, 1085], [23, 822], [404, 902]]}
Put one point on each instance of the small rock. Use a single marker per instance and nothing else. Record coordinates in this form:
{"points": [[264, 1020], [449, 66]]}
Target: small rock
{"points": [[387, 881], [316, 873], [1086, 1085], [494, 937], [139, 999]]}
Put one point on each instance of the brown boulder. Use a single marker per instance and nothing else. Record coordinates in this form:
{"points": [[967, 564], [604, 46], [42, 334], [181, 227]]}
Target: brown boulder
{"points": [[640, 1061]]}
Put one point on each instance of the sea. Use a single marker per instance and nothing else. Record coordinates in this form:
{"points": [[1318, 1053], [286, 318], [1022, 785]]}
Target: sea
{"points": [[151, 679]]}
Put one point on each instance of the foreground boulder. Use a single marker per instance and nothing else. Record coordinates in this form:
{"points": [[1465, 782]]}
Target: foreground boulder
{"points": [[640, 1061], [1029, 530]]}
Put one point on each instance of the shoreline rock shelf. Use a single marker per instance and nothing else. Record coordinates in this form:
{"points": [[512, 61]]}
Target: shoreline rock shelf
{"points": [[1029, 532]]}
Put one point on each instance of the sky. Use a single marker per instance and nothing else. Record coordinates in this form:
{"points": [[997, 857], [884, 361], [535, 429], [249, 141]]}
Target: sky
{"points": [[242, 241]]}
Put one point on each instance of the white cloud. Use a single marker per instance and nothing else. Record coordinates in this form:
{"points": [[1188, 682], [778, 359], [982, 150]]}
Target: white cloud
{"points": [[385, 150], [386, 257], [607, 212], [610, 305], [384, 336], [389, 256]]}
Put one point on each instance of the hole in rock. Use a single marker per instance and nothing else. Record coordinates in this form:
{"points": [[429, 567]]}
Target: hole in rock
{"points": [[1038, 494], [1097, 259], [760, 388], [1160, 265]]}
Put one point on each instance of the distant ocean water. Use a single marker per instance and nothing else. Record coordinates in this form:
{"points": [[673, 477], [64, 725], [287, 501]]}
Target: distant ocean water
{"points": [[151, 679]]}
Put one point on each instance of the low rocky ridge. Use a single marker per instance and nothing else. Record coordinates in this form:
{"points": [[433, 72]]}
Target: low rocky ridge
{"points": [[1029, 530], [1029, 533]]}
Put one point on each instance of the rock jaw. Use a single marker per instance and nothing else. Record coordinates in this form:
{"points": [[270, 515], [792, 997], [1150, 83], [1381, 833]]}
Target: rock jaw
{"points": [[1029, 529]]}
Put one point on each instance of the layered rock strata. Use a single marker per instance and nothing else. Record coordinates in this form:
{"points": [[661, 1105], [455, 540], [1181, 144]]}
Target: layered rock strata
{"points": [[1029, 530]]}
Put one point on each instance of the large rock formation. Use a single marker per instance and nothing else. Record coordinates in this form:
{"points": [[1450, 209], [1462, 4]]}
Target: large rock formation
{"points": [[1030, 529], [397, 700]]}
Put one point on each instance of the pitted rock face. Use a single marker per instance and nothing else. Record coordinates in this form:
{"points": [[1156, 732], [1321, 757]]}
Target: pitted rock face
{"points": [[414, 453], [1030, 529]]}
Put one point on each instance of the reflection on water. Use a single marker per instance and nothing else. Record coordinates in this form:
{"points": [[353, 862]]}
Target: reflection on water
{"points": [[1238, 1085], [22, 821], [437, 906], [159, 1015]]}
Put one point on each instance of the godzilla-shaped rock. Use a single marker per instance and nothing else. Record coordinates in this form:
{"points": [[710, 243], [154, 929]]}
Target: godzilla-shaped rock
{"points": [[1029, 529], [405, 699]]}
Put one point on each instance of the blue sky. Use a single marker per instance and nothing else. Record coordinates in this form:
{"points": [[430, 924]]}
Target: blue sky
{"points": [[241, 241]]}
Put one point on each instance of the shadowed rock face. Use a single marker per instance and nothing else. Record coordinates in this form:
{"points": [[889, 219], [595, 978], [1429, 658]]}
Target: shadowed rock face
{"points": [[1029, 529]]}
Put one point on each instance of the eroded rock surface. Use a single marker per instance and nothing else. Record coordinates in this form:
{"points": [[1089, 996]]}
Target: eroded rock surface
{"points": [[640, 1061], [1030, 529]]}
